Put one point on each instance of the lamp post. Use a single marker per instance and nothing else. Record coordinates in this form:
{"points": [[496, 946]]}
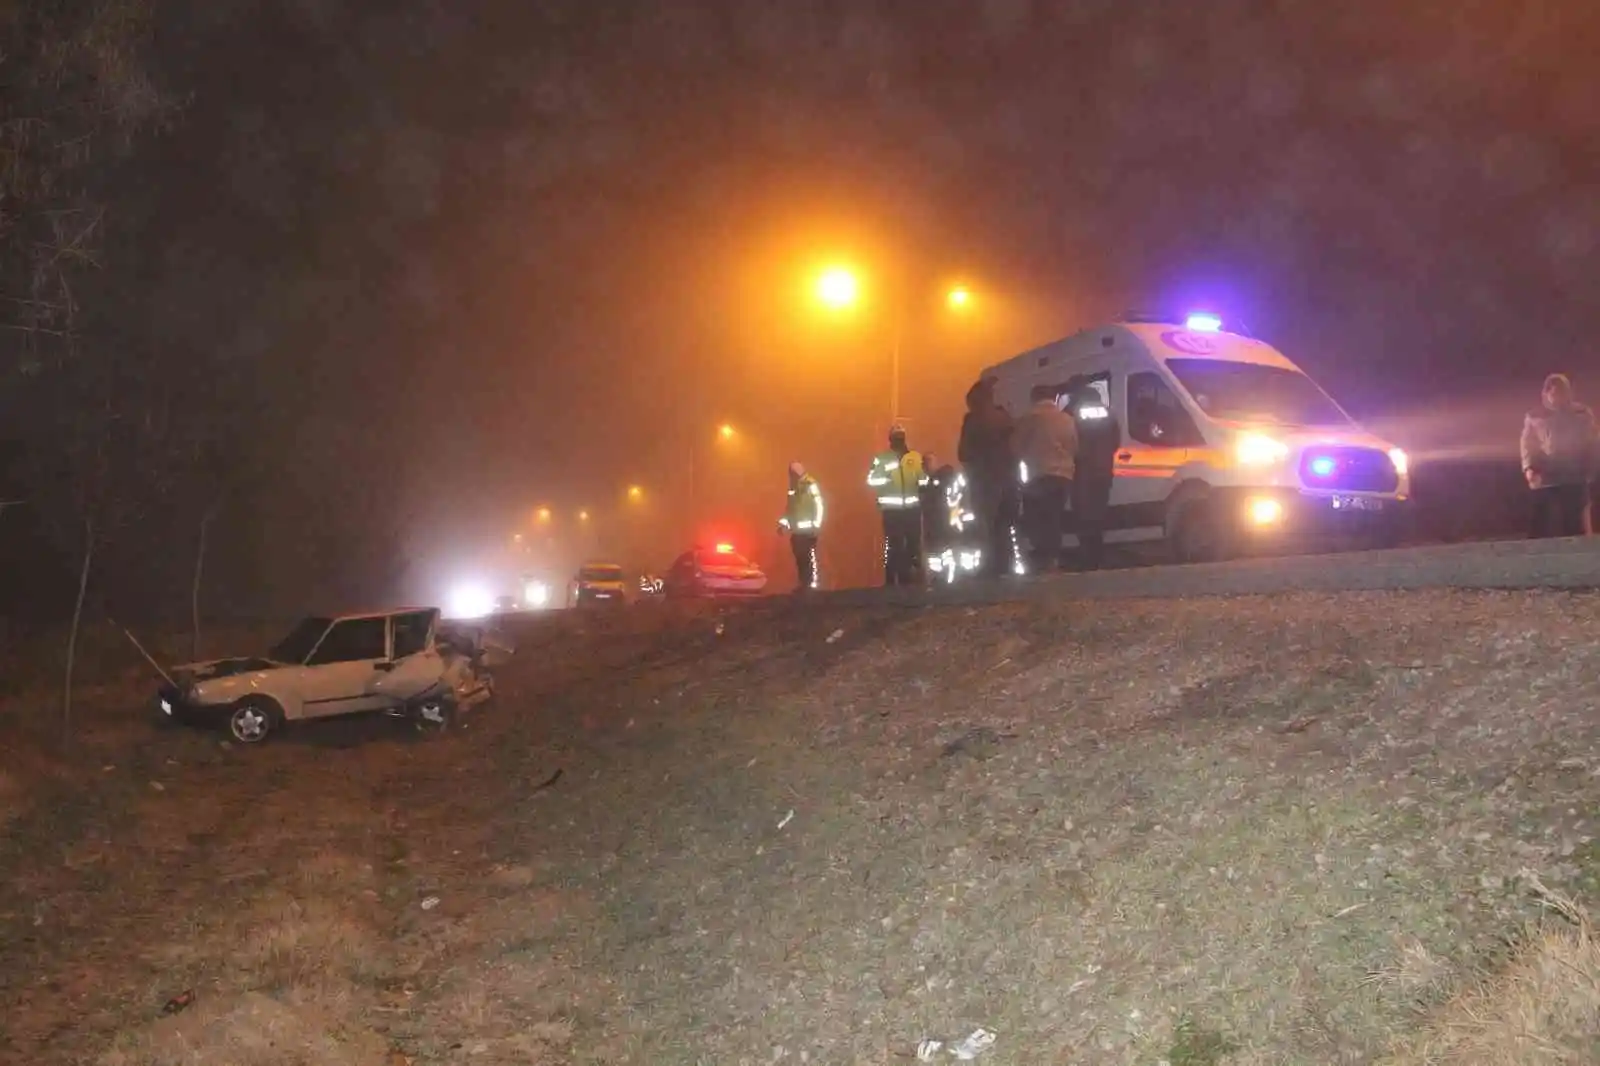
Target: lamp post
{"points": [[839, 289]]}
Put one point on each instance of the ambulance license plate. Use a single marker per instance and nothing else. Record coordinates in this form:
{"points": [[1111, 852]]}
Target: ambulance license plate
{"points": [[1357, 503]]}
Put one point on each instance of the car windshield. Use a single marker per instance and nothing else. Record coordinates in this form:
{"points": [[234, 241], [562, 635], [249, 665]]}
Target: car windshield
{"points": [[1253, 392], [301, 641], [600, 573]]}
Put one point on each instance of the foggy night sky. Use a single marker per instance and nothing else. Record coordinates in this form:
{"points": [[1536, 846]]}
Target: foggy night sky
{"points": [[459, 259]]}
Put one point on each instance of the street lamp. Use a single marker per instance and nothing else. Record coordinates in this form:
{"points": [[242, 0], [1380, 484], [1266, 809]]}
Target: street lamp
{"points": [[725, 434], [543, 515], [635, 493], [838, 288], [583, 516]]}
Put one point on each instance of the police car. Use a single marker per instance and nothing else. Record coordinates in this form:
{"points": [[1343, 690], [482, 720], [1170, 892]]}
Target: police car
{"points": [[714, 573], [1227, 445]]}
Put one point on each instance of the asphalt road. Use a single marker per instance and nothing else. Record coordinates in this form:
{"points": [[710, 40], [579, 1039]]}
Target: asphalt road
{"points": [[1572, 563]]}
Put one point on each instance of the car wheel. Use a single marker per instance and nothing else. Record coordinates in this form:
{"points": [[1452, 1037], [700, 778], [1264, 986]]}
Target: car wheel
{"points": [[253, 719], [433, 714]]}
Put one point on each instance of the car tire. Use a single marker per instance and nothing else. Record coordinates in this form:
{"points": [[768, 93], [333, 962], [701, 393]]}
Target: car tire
{"points": [[434, 714], [253, 719], [1196, 533]]}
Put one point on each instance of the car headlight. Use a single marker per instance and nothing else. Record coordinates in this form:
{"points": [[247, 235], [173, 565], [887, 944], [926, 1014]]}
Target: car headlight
{"points": [[1402, 465], [1257, 449]]}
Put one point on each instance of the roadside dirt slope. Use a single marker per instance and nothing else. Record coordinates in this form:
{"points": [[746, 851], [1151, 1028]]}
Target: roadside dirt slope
{"points": [[1305, 829]]}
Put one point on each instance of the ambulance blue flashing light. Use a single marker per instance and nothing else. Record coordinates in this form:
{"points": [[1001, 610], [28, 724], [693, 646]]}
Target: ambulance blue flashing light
{"points": [[1203, 322]]}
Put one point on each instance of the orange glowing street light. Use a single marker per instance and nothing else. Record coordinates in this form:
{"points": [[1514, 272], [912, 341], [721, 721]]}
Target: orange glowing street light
{"points": [[838, 288], [725, 431], [583, 516], [543, 515], [635, 493]]}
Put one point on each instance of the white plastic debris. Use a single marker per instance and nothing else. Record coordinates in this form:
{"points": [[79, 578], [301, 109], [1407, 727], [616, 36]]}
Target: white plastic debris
{"points": [[786, 819], [430, 903], [975, 1044], [835, 635], [979, 1041]]}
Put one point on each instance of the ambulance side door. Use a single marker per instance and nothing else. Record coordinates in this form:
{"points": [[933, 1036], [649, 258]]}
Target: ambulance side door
{"points": [[1157, 437]]}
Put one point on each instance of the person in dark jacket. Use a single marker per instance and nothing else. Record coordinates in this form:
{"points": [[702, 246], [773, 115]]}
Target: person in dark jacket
{"points": [[1558, 460], [991, 470], [1046, 444], [1099, 437]]}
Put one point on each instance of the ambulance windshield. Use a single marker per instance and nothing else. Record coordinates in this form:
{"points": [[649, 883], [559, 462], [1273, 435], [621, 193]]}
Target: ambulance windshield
{"points": [[1252, 392]]}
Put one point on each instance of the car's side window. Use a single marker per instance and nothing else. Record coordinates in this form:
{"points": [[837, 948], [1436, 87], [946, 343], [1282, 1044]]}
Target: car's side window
{"points": [[352, 640], [1155, 415], [411, 633]]}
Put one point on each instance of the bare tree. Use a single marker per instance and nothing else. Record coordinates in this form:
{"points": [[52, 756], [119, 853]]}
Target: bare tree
{"points": [[73, 94], [199, 569]]}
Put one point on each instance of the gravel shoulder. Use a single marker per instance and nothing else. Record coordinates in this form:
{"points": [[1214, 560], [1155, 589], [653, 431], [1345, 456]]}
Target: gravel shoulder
{"points": [[1303, 828]]}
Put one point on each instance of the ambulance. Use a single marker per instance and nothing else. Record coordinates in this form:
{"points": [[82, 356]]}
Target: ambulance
{"points": [[1227, 449]]}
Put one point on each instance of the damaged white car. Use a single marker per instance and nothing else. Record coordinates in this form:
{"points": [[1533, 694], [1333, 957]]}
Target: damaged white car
{"points": [[404, 663]]}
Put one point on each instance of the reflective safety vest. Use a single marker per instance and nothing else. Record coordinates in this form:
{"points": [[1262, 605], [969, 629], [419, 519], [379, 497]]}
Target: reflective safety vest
{"points": [[895, 479], [804, 511], [955, 499]]}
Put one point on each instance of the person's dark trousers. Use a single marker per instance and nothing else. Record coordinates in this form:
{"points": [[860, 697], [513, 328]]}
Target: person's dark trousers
{"points": [[1558, 511], [1043, 506], [994, 504], [1091, 496], [805, 560], [911, 572], [902, 529]]}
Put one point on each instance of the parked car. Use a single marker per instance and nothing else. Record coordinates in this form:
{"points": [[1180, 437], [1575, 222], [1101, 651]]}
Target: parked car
{"points": [[599, 584], [718, 572], [404, 662]]}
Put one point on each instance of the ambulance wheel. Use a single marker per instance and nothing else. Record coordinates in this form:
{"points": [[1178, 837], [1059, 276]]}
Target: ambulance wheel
{"points": [[1196, 532]]}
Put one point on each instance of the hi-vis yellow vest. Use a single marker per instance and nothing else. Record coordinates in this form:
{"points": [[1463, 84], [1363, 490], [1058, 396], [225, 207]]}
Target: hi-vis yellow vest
{"points": [[804, 512], [895, 479]]}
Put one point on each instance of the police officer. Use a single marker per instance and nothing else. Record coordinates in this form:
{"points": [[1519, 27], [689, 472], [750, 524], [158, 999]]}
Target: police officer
{"points": [[896, 479], [802, 520], [1099, 437]]}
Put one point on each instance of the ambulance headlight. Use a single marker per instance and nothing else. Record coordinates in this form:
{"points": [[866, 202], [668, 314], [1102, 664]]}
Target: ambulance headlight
{"points": [[1402, 465], [1258, 449], [1264, 512]]}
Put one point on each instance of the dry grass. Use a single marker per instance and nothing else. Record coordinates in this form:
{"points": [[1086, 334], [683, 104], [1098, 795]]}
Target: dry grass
{"points": [[1129, 836], [12, 798], [252, 1030], [1543, 1006]]}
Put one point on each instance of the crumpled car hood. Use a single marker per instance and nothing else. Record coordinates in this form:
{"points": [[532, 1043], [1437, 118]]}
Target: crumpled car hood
{"points": [[215, 668]]}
